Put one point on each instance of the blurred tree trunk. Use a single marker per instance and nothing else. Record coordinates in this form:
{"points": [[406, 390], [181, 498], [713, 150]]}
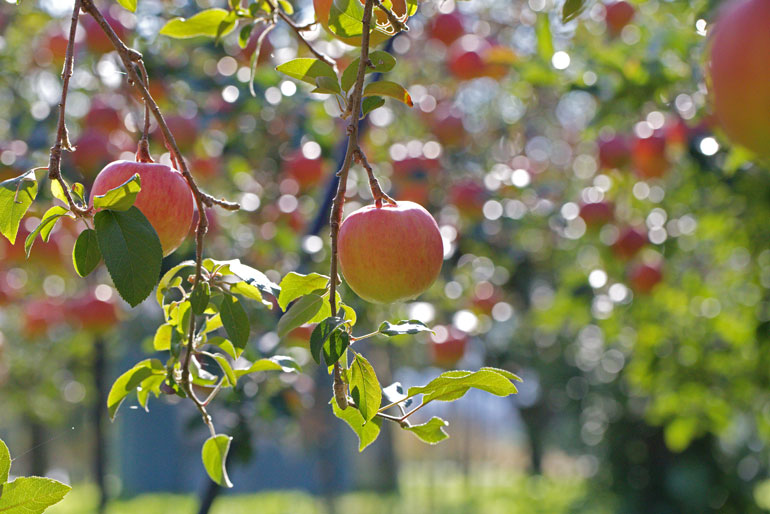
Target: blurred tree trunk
{"points": [[38, 458], [98, 413], [209, 495], [535, 420], [387, 462]]}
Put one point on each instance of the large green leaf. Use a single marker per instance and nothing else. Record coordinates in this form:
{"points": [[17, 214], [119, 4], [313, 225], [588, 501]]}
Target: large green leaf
{"points": [[299, 313], [131, 251], [120, 198], [295, 285], [85, 253], [210, 23], [235, 321], [5, 462], [452, 385], [431, 432], [16, 195], [307, 69], [367, 432], [128, 382], [31, 495], [364, 387], [214, 455], [572, 9]]}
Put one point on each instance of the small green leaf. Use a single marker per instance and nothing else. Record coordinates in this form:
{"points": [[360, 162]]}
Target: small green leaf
{"points": [[45, 227], [249, 291], [57, 191], [225, 345], [364, 387], [246, 273], [31, 495], [307, 69], [210, 23], [335, 346], [371, 103], [5, 462], [224, 364], [572, 9], [544, 39], [382, 62], [402, 327], [244, 35], [431, 432], [452, 385], [504, 372], [391, 89], [321, 334], [129, 381], [295, 285], [287, 7], [214, 455], [367, 432], [120, 198], [274, 363], [78, 192], [129, 5], [299, 313], [165, 283], [235, 321], [199, 299], [85, 253], [131, 251], [327, 85], [16, 195], [162, 340]]}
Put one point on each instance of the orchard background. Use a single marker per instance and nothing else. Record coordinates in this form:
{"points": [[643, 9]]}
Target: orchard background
{"points": [[598, 174]]}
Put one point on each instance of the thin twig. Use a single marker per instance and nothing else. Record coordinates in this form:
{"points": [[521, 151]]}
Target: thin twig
{"points": [[143, 152], [377, 193], [299, 30]]}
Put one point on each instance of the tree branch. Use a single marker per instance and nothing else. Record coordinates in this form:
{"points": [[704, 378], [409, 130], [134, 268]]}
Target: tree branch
{"points": [[392, 18]]}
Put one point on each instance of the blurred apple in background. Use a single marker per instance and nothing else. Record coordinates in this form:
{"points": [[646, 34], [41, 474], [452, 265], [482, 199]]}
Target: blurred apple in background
{"points": [[446, 27], [614, 152], [89, 313], [617, 15], [38, 316], [447, 346], [649, 156], [306, 171], [629, 242], [597, 214], [644, 277], [468, 196]]}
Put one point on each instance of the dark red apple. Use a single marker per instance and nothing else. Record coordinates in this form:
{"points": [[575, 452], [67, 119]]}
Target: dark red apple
{"points": [[468, 196], [447, 346], [597, 214], [617, 15], [644, 277], [102, 117], [649, 156], [96, 40], [92, 151], [629, 242], [446, 27], [614, 153], [306, 172]]}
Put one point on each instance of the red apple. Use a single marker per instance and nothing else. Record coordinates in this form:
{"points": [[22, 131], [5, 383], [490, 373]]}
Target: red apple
{"points": [[617, 15], [649, 156], [102, 117], [92, 314], [446, 27], [629, 242], [38, 316], [46, 254], [469, 197], [597, 214], [92, 151], [614, 152], [165, 198], [644, 277], [677, 132], [184, 130], [466, 57], [307, 172], [390, 253], [447, 125], [740, 73], [447, 346]]}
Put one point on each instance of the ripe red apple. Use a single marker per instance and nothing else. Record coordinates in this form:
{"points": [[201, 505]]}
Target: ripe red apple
{"points": [[48, 254], [597, 214], [649, 156], [40, 315], [447, 346], [740, 74], [102, 117], [446, 27], [617, 15], [165, 198], [307, 172], [614, 153], [96, 40], [390, 253], [447, 125], [469, 197], [466, 57], [644, 277], [184, 130], [629, 242], [91, 314]]}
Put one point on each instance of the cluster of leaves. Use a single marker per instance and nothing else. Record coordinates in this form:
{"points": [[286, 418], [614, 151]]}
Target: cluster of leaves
{"points": [[30, 495]]}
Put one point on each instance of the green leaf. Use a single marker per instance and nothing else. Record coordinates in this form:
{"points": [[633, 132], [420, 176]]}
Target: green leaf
{"points": [[335, 346], [162, 340], [321, 334], [307, 69], [395, 393], [199, 299], [85, 253], [371, 103], [572, 9], [31, 495], [57, 191], [129, 381], [364, 387], [129, 5], [131, 251], [226, 346], [299, 313], [275, 363], [431, 432], [367, 432], [45, 227], [287, 7], [120, 198], [224, 364], [235, 321], [78, 192], [210, 23], [327, 85], [391, 89], [504, 372], [295, 285], [5, 462], [246, 273], [16, 195], [244, 35], [214, 455], [168, 277], [452, 385], [249, 291], [402, 327], [382, 62], [544, 39]]}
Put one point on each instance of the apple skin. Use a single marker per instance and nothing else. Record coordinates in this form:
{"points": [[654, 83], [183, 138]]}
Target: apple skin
{"points": [[739, 71], [307, 172], [390, 253], [614, 153], [617, 15], [644, 277], [447, 28], [446, 352], [649, 156], [92, 314], [629, 242], [597, 214], [165, 198]]}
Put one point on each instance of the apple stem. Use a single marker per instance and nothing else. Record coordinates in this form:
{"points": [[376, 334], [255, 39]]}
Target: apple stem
{"points": [[374, 185], [143, 152]]}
